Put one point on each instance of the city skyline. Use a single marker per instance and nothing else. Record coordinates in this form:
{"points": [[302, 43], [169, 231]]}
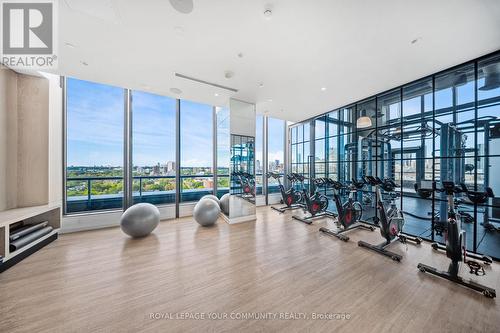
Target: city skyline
{"points": [[170, 166]]}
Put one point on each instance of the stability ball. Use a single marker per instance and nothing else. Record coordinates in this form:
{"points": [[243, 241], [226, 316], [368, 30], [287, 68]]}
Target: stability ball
{"points": [[206, 212], [224, 203], [211, 196], [140, 219]]}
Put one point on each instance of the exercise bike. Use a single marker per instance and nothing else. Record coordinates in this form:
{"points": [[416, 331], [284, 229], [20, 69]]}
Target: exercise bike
{"points": [[349, 213], [291, 197], [455, 239], [391, 221], [247, 183], [316, 204]]}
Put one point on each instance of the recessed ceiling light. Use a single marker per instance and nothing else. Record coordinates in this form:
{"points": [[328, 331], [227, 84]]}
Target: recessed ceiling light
{"points": [[228, 74], [261, 85], [176, 91], [182, 6], [323, 88], [84, 63], [269, 100], [216, 95], [70, 45], [240, 55], [268, 13], [414, 41]]}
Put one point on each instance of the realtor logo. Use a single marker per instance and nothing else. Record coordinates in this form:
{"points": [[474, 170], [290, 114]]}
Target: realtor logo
{"points": [[28, 34]]}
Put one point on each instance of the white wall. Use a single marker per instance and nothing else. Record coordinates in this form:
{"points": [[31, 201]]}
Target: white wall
{"points": [[4, 109], [55, 124], [30, 139], [8, 139]]}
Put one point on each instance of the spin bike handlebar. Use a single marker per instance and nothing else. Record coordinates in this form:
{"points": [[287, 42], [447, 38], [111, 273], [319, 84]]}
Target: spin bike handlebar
{"points": [[373, 181], [478, 197], [450, 188], [358, 184], [274, 175], [300, 178], [319, 182], [387, 185], [333, 183]]}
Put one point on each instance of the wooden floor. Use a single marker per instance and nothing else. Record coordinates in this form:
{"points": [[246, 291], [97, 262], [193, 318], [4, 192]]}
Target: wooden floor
{"points": [[102, 281]]}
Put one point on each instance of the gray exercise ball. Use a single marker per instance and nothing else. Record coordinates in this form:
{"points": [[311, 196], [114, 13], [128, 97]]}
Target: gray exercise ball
{"points": [[206, 212], [224, 203], [211, 196], [140, 219]]}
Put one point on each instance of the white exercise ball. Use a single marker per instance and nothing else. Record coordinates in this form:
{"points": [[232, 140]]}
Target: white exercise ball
{"points": [[211, 196], [140, 220], [206, 212], [224, 203]]}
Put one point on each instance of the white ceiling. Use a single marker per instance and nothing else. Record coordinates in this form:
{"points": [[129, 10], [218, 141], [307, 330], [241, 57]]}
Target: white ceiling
{"points": [[354, 48]]}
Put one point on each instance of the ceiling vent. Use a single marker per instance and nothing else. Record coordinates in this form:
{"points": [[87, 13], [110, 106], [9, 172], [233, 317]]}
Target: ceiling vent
{"points": [[182, 76]]}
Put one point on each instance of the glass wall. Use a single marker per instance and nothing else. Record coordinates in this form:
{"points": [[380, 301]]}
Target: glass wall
{"points": [[196, 150], [95, 143], [487, 125], [153, 148], [443, 127], [223, 150], [300, 148], [94, 165], [259, 153], [275, 151]]}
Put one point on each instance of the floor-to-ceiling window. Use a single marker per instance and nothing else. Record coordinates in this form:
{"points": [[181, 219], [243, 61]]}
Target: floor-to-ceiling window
{"points": [[223, 150], [488, 152], [259, 153], [94, 146], [196, 150], [332, 144], [320, 149], [442, 127], [153, 148], [96, 137], [275, 151], [300, 148]]}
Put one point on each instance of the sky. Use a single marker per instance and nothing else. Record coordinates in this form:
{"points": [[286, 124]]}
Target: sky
{"points": [[95, 119]]}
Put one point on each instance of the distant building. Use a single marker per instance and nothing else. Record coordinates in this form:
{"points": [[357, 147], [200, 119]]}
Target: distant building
{"points": [[170, 166], [208, 183], [156, 170], [258, 167]]}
